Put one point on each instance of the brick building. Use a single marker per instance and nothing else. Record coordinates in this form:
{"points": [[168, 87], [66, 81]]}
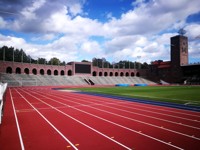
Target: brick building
{"points": [[176, 70]]}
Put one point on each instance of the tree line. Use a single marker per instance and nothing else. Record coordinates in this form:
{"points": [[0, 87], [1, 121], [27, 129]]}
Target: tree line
{"points": [[122, 64], [16, 55]]}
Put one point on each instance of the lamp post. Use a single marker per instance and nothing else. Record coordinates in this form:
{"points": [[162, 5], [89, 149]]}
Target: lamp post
{"points": [[13, 55], [3, 53], [103, 60], [138, 59]]}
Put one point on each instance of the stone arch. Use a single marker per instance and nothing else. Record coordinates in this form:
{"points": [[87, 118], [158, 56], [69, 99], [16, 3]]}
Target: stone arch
{"points": [[127, 74], [138, 74], [9, 70], [105, 74], [132, 74], [41, 71], [55, 72], [18, 70], [48, 72], [100, 74], [34, 71], [26, 71], [111, 74], [121, 74], [69, 73], [94, 73], [62, 73], [116, 74]]}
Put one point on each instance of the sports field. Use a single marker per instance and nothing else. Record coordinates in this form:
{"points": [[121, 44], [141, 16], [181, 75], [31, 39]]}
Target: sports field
{"points": [[187, 95], [38, 118]]}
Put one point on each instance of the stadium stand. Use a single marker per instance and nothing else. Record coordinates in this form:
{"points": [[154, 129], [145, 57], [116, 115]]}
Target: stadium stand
{"points": [[3, 87], [50, 80]]}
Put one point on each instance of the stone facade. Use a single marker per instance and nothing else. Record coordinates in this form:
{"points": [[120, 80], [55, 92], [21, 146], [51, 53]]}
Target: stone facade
{"points": [[69, 70]]}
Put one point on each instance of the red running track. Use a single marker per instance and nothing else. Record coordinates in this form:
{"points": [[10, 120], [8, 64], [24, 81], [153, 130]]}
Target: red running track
{"points": [[40, 118]]}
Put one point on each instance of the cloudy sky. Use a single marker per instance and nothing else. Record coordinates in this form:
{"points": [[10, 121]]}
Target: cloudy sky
{"points": [[74, 30]]}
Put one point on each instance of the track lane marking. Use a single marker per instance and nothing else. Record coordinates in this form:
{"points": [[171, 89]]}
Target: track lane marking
{"points": [[144, 105], [17, 122], [126, 117], [103, 104], [138, 132], [194, 120], [48, 121], [78, 121]]}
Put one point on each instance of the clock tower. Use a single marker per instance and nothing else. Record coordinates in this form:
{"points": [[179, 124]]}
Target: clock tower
{"points": [[179, 51]]}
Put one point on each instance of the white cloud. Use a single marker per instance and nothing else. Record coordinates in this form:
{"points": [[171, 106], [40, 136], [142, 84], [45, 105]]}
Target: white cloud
{"points": [[75, 9], [90, 47], [3, 23], [143, 31], [193, 31], [29, 12], [45, 37]]}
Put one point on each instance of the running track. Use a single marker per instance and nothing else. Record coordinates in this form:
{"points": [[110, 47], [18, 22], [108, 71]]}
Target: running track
{"points": [[39, 118]]}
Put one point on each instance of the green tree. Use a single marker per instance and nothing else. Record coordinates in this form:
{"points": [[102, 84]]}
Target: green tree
{"points": [[42, 61], [54, 61]]}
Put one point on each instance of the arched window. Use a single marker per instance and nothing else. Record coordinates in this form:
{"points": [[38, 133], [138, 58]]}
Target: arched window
{"points": [[127, 74], [132, 74], [55, 72], [121, 74], [116, 74], [94, 73], [34, 71], [18, 70], [69, 73], [41, 71], [137, 74], [105, 74], [111, 74], [100, 74], [62, 73], [26, 71], [49, 72], [9, 70]]}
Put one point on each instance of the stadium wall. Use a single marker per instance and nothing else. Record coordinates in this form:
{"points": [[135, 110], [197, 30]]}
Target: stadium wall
{"points": [[69, 70]]}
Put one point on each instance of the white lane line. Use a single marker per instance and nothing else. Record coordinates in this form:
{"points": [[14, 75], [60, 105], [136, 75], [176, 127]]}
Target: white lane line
{"points": [[173, 116], [48, 122], [169, 144], [145, 123], [168, 109], [172, 99], [78, 122], [67, 96], [105, 105], [131, 119], [179, 123], [17, 123], [169, 130], [130, 112], [135, 104]]}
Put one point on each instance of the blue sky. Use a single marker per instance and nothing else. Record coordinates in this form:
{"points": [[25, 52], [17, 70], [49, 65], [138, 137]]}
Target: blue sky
{"points": [[76, 30]]}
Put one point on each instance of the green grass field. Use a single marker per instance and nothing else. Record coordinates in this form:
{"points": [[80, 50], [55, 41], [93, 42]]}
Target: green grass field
{"points": [[189, 95]]}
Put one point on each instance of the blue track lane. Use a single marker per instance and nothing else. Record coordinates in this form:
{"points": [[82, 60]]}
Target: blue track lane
{"points": [[166, 104]]}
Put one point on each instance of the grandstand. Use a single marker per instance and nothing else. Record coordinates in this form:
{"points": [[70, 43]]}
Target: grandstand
{"points": [[74, 73], [51, 80]]}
